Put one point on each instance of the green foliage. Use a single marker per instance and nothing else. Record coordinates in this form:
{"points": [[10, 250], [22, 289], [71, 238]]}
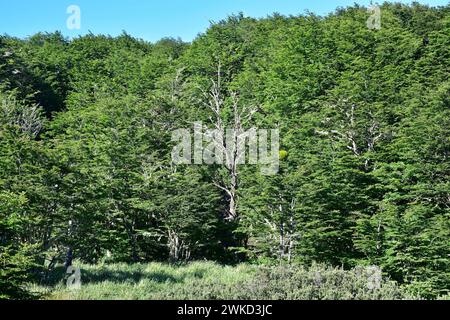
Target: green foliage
{"points": [[85, 152], [15, 272], [16, 260]]}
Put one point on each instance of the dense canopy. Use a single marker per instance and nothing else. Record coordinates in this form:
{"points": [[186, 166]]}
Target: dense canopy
{"points": [[364, 120]]}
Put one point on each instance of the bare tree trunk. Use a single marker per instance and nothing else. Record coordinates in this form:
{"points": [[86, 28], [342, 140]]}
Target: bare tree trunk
{"points": [[178, 249], [231, 151], [371, 135], [282, 243], [233, 194]]}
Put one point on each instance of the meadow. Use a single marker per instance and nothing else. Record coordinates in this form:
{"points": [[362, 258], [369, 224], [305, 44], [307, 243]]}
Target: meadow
{"points": [[211, 281]]}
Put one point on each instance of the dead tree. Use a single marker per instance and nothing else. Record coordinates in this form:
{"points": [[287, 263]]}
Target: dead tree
{"points": [[230, 145], [354, 136], [29, 119], [284, 230], [179, 250]]}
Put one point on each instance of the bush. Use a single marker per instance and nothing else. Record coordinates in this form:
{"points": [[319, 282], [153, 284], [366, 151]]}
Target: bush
{"points": [[294, 283], [322, 283]]}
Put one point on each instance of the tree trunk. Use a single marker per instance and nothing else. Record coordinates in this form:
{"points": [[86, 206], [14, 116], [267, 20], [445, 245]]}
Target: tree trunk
{"points": [[69, 258]]}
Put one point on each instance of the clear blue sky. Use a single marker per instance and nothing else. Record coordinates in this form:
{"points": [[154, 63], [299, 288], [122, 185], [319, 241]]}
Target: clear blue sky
{"points": [[149, 19]]}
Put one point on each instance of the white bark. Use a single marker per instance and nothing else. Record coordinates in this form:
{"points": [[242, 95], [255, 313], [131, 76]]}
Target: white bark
{"points": [[230, 145]]}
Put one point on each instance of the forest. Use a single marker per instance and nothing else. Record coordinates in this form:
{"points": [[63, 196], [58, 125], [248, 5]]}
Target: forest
{"points": [[86, 170]]}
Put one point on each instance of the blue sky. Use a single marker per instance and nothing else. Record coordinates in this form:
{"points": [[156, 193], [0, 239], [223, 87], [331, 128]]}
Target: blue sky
{"points": [[149, 19]]}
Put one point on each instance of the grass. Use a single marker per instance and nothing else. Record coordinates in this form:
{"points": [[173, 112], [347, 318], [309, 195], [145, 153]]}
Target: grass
{"points": [[151, 281], [211, 281]]}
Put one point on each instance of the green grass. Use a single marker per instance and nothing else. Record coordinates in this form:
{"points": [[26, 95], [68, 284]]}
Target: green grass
{"points": [[210, 281], [142, 281]]}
